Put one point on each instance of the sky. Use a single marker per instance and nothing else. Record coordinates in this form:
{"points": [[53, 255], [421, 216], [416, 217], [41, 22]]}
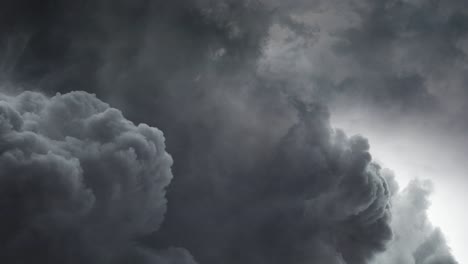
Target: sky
{"points": [[233, 131]]}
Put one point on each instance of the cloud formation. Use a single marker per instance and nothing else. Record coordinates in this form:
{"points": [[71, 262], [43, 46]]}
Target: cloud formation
{"points": [[314, 197], [259, 176], [79, 182], [415, 240], [388, 58]]}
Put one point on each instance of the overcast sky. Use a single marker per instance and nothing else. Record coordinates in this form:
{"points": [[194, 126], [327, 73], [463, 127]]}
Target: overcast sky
{"points": [[233, 131]]}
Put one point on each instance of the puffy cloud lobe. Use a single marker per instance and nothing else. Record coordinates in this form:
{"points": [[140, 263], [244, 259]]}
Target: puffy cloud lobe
{"points": [[316, 198], [78, 181], [415, 240]]}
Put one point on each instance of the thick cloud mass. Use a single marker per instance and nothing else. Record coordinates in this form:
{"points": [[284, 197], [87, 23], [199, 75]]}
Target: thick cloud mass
{"points": [[260, 177], [391, 58], [314, 197], [78, 181]]}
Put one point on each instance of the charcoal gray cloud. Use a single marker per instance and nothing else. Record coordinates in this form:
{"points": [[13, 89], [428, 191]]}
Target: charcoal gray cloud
{"points": [[79, 181], [400, 39], [389, 57], [314, 196], [260, 176]]}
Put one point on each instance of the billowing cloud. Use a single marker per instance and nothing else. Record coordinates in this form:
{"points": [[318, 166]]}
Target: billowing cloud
{"points": [[415, 240], [313, 196], [254, 183], [79, 182]]}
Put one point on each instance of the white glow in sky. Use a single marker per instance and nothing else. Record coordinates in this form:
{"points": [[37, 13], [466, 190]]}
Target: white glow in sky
{"points": [[410, 154]]}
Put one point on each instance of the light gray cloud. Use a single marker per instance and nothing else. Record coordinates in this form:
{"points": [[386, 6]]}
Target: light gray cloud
{"points": [[416, 240]]}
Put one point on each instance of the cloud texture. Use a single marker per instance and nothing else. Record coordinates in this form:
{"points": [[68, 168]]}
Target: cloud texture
{"points": [[78, 181], [260, 175], [415, 241], [314, 197]]}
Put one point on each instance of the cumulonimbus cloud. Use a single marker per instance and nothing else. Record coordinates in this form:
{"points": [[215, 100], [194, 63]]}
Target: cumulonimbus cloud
{"points": [[78, 181], [253, 183], [315, 196]]}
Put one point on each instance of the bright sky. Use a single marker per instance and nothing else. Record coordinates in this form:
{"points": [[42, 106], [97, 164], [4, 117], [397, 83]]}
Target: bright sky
{"points": [[421, 155]]}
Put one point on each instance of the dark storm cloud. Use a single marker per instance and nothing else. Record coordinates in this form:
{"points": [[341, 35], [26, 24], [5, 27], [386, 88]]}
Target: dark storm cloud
{"points": [[397, 39], [392, 57], [78, 181], [426, 31], [254, 183], [66, 40], [313, 196], [401, 53], [415, 240]]}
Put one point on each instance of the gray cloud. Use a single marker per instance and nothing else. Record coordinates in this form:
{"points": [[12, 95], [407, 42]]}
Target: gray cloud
{"points": [[409, 38], [314, 196], [79, 181], [390, 57], [253, 182], [415, 240]]}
